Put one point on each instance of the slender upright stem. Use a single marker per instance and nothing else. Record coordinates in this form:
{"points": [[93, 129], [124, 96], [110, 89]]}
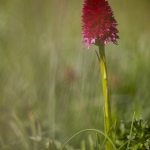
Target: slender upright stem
{"points": [[107, 107]]}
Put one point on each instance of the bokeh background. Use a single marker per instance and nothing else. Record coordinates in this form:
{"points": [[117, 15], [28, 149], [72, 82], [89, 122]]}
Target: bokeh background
{"points": [[50, 84]]}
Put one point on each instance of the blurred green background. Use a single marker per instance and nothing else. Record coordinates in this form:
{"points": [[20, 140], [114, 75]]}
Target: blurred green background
{"points": [[50, 84]]}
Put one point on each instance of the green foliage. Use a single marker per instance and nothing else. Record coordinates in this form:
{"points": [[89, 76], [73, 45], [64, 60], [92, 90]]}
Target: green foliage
{"points": [[140, 136]]}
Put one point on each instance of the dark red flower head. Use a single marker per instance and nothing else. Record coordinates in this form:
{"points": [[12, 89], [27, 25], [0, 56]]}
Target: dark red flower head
{"points": [[99, 23]]}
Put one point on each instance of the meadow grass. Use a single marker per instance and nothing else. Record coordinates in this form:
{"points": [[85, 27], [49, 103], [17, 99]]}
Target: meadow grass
{"points": [[50, 85]]}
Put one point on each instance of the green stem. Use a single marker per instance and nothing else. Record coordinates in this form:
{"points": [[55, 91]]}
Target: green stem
{"points": [[131, 132], [107, 107]]}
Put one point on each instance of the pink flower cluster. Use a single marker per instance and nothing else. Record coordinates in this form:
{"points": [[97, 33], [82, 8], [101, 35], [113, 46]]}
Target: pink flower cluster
{"points": [[99, 23]]}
